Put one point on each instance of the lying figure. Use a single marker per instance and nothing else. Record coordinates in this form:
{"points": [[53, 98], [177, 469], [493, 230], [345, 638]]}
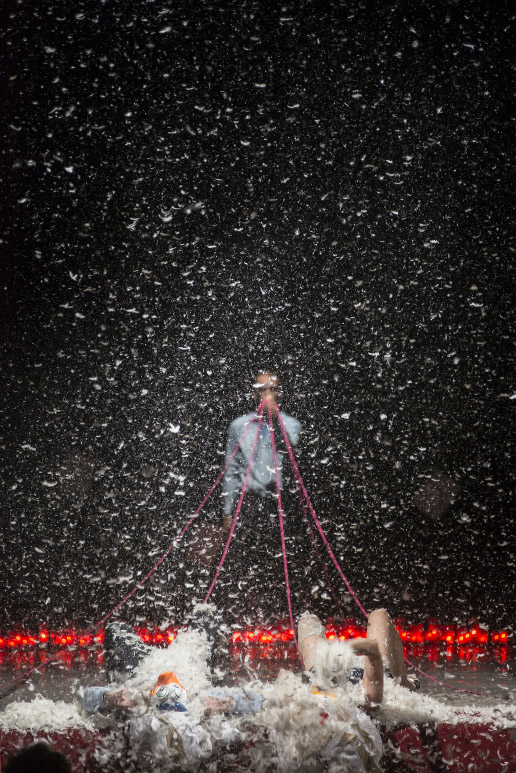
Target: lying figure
{"points": [[175, 715], [337, 729], [300, 724]]}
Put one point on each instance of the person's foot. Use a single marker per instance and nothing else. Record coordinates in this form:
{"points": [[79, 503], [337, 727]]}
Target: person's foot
{"points": [[411, 683]]}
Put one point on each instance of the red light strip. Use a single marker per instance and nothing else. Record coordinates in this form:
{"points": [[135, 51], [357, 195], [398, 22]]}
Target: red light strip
{"points": [[412, 634]]}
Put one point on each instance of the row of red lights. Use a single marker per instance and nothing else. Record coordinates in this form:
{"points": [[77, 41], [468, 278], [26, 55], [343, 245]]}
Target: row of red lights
{"points": [[271, 657], [419, 634], [413, 634], [74, 638], [262, 636]]}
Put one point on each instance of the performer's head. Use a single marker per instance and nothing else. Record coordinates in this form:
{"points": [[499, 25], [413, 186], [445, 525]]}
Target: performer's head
{"points": [[267, 388], [168, 690]]}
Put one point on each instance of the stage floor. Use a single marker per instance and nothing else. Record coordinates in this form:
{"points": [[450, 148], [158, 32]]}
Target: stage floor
{"points": [[482, 741], [487, 670]]}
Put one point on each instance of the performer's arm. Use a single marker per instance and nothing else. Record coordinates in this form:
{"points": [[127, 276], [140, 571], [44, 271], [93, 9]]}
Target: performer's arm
{"points": [[93, 699], [294, 429], [102, 699], [373, 671], [242, 703], [246, 702]]}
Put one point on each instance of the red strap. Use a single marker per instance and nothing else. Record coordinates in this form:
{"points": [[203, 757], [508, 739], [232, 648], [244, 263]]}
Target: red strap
{"points": [[280, 513], [237, 513]]}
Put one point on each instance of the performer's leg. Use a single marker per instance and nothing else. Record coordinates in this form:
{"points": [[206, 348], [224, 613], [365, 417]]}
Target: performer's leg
{"points": [[124, 651], [265, 595], [237, 577], [207, 620], [309, 632], [381, 629], [382, 646]]}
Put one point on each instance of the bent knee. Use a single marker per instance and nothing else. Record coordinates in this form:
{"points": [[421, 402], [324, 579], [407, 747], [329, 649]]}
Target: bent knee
{"points": [[378, 614]]}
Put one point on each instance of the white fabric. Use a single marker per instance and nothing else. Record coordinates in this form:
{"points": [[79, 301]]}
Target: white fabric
{"points": [[305, 727], [153, 733], [345, 756], [332, 662]]}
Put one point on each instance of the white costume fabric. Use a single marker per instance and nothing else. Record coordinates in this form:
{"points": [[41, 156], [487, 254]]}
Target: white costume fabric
{"points": [[177, 737], [313, 732], [186, 737]]}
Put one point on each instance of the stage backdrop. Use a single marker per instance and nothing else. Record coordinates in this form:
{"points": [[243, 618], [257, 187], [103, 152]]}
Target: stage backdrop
{"points": [[194, 191]]}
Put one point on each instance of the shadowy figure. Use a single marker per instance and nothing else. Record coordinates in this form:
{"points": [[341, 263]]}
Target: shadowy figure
{"points": [[38, 758]]}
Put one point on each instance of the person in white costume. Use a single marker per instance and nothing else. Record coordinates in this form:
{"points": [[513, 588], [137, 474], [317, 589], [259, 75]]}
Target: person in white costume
{"points": [[327, 730], [167, 698]]}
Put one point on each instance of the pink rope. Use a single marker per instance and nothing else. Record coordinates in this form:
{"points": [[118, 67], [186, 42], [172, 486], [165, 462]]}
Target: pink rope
{"points": [[303, 489], [312, 511], [317, 551], [282, 530], [321, 562], [139, 585], [237, 513], [301, 486], [181, 533]]}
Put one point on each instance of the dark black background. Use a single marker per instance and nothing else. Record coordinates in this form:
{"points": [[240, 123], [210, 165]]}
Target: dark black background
{"points": [[195, 190]]}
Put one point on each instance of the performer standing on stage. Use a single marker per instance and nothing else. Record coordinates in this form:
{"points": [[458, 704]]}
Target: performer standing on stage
{"points": [[262, 480], [258, 553]]}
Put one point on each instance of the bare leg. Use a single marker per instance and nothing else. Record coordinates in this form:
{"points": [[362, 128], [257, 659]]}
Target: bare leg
{"points": [[380, 629], [382, 645], [309, 631]]}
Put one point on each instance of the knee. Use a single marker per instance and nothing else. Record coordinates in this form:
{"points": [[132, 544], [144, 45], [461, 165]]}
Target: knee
{"points": [[309, 625], [378, 616]]}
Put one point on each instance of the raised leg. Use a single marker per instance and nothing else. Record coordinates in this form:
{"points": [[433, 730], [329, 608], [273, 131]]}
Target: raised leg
{"points": [[207, 620], [380, 629], [382, 647], [309, 631]]}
